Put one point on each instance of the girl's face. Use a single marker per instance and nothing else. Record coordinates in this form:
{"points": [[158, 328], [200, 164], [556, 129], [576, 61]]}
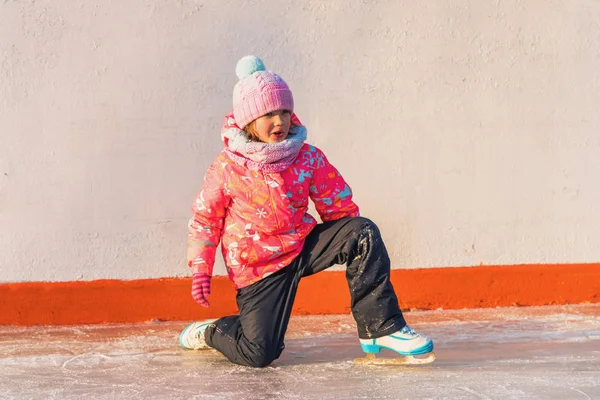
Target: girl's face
{"points": [[273, 127]]}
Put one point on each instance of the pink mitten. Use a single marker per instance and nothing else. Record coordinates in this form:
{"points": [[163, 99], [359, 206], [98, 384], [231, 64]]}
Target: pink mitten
{"points": [[201, 288]]}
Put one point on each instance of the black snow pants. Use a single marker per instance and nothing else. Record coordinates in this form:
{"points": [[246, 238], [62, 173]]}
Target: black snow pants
{"points": [[255, 336]]}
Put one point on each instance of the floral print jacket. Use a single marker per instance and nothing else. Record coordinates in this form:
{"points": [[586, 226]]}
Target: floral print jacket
{"points": [[262, 218]]}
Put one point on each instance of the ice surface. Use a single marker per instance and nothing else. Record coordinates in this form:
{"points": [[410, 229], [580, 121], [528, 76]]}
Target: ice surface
{"points": [[505, 353]]}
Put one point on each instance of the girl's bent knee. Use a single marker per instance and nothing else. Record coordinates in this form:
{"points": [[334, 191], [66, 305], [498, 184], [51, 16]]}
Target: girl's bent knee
{"points": [[260, 360], [365, 224]]}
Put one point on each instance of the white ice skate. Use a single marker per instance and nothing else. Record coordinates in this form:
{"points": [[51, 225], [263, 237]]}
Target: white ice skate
{"points": [[192, 337], [416, 348]]}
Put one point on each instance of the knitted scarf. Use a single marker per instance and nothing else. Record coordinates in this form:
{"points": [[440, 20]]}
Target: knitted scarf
{"points": [[259, 156]]}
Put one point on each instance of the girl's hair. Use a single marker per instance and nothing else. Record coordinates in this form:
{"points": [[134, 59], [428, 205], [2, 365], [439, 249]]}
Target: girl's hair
{"points": [[250, 130]]}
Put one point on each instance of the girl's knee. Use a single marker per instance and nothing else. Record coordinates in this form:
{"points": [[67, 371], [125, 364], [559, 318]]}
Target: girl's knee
{"points": [[261, 359], [363, 224]]}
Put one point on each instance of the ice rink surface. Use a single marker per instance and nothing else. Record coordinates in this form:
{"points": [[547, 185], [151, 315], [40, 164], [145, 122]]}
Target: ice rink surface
{"points": [[504, 353]]}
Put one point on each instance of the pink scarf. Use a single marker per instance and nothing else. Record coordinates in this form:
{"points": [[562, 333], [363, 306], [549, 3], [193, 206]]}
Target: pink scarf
{"points": [[259, 156]]}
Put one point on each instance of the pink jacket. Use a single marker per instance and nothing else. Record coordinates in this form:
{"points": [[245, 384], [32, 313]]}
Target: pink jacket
{"points": [[262, 218]]}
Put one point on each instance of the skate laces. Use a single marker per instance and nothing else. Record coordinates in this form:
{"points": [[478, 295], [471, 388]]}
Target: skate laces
{"points": [[407, 330], [199, 334]]}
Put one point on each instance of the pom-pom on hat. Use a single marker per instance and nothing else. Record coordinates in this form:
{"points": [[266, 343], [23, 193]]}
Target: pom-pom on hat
{"points": [[258, 91]]}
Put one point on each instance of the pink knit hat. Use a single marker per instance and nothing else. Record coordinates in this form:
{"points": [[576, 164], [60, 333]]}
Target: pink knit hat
{"points": [[258, 91]]}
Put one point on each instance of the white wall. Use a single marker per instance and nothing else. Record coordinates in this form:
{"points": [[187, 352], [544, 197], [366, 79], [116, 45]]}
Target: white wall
{"points": [[469, 130]]}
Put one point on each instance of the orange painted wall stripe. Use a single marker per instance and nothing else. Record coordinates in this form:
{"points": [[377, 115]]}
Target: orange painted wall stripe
{"points": [[103, 301]]}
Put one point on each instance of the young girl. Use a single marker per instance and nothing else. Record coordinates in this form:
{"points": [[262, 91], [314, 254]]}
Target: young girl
{"points": [[255, 201]]}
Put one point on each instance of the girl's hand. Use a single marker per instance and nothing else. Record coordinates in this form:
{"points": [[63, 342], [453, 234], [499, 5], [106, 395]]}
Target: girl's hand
{"points": [[201, 288]]}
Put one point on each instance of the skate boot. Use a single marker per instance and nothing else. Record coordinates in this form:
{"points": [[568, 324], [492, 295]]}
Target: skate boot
{"points": [[192, 337], [406, 342]]}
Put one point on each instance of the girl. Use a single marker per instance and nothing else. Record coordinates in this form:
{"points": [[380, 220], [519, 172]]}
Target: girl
{"points": [[255, 200]]}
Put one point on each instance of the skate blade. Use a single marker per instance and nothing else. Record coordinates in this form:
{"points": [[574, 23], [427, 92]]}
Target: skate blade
{"points": [[371, 359]]}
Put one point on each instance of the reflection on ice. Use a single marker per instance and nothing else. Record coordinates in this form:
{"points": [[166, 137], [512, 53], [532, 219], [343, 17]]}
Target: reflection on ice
{"points": [[533, 353]]}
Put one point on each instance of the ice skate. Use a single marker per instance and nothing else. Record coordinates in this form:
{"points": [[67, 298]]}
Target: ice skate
{"points": [[192, 337], [414, 347]]}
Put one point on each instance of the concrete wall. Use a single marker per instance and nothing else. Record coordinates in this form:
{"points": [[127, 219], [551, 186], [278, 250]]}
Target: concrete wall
{"points": [[469, 130]]}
